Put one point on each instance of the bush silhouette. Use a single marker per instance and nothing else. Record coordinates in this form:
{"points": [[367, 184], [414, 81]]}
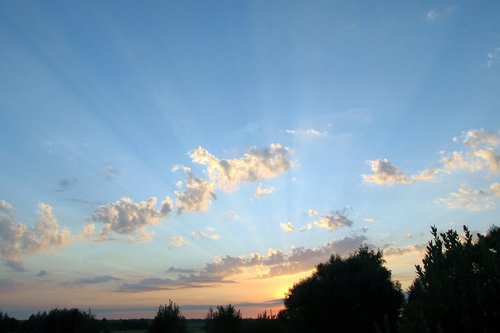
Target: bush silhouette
{"points": [[61, 321], [8, 324], [458, 287], [355, 294], [225, 319], [168, 319]]}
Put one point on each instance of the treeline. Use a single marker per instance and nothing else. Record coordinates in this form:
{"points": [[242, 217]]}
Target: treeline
{"points": [[457, 289]]}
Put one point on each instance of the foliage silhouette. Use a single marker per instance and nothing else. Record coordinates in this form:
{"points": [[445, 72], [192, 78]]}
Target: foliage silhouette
{"points": [[61, 321], [458, 287], [168, 319], [225, 319], [8, 324], [355, 294]]}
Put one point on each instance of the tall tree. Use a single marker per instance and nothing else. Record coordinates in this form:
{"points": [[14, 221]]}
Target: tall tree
{"points": [[457, 288], [355, 294], [168, 319]]}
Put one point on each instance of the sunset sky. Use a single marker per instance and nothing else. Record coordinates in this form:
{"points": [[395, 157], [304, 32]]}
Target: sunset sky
{"points": [[214, 152]]}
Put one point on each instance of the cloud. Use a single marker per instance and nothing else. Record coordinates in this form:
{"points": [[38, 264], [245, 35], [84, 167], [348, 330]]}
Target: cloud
{"points": [[457, 161], [208, 233], [309, 133], [110, 172], [492, 57], [255, 164], [312, 212], [66, 184], [431, 15], [8, 284], [287, 227], [126, 217], [261, 191], [231, 215], [368, 219], [17, 239], [471, 199], [197, 195], [490, 157], [385, 173], [333, 221], [398, 251], [42, 273], [481, 137], [177, 241], [5, 206], [274, 263], [97, 279]]}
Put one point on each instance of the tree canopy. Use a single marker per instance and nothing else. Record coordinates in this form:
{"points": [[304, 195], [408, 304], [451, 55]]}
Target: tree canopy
{"points": [[168, 319], [458, 287], [355, 294]]}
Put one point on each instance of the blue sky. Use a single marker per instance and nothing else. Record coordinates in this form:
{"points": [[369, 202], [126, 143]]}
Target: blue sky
{"points": [[202, 150]]}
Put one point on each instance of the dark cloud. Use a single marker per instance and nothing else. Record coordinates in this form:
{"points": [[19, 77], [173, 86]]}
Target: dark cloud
{"points": [[42, 273]]}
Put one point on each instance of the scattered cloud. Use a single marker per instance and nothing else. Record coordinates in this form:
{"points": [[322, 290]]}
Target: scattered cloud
{"points": [[42, 273], [287, 227], [312, 213], [481, 137], [255, 164], [197, 195], [17, 239], [432, 15], [274, 263], [368, 219], [471, 199], [391, 250], [261, 191], [482, 154], [177, 241], [110, 172], [127, 217], [492, 57], [231, 215], [7, 284], [385, 173], [97, 279], [333, 221], [66, 184], [308, 133], [208, 233]]}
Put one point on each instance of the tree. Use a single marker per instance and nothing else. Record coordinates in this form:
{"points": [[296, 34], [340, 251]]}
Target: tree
{"points": [[355, 294], [61, 321], [8, 324], [225, 319], [168, 319], [458, 287]]}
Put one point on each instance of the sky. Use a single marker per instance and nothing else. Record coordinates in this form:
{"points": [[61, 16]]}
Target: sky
{"points": [[214, 152]]}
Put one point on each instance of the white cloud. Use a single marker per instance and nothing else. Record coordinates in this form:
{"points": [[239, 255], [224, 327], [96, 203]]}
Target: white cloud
{"points": [[480, 137], [17, 239], [310, 132], [457, 161], [261, 191], [471, 199], [490, 157], [255, 164], [492, 57], [177, 241], [126, 217], [432, 15], [287, 227], [197, 195], [332, 222], [368, 219], [232, 215], [312, 213], [208, 233], [385, 173]]}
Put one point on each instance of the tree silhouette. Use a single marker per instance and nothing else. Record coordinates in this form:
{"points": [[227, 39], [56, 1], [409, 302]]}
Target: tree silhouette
{"points": [[458, 287], [225, 319], [355, 294], [7, 324], [168, 319], [61, 321]]}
